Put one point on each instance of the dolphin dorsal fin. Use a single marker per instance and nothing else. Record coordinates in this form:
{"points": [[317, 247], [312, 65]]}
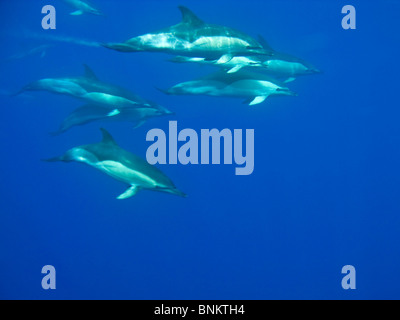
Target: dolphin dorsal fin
{"points": [[89, 72], [264, 43], [107, 137], [189, 17]]}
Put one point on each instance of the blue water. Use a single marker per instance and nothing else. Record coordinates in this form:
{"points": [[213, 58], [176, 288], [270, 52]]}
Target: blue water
{"points": [[324, 192]]}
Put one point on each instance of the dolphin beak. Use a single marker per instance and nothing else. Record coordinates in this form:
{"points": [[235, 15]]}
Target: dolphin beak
{"points": [[122, 47], [166, 112], [315, 71], [177, 192]]}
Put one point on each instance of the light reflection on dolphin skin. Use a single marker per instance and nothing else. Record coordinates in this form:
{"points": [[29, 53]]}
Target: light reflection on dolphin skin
{"points": [[255, 88], [121, 165], [193, 37]]}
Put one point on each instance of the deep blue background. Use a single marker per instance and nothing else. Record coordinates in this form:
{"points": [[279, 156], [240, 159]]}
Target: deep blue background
{"points": [[324, 193]]}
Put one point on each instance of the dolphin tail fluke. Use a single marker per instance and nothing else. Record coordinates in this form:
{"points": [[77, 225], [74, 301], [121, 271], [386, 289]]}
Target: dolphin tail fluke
{"points": [[122, 47]]}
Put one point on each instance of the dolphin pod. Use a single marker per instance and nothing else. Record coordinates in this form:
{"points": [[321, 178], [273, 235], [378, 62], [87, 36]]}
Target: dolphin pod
{"points": [[194, 40], [236, 54]]}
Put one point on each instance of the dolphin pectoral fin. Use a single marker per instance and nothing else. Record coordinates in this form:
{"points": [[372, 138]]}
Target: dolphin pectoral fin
{"points": [[289, 80], [235, 69], [76, 13], [113, 113], [139, 124], [43, 54], [225, 58], [258, 100], [130, 192]]}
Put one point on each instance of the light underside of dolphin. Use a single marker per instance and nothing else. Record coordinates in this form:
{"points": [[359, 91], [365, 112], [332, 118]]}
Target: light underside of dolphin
{"points": [[193, 37], [254, 88], [121, 165]]}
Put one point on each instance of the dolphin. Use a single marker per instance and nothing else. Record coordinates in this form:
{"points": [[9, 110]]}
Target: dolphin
{"points": [[193, 37], [39, 50], [90, 89], [279, 65], [255, 88], [90, 113], [121, 165], [82, 7]]}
